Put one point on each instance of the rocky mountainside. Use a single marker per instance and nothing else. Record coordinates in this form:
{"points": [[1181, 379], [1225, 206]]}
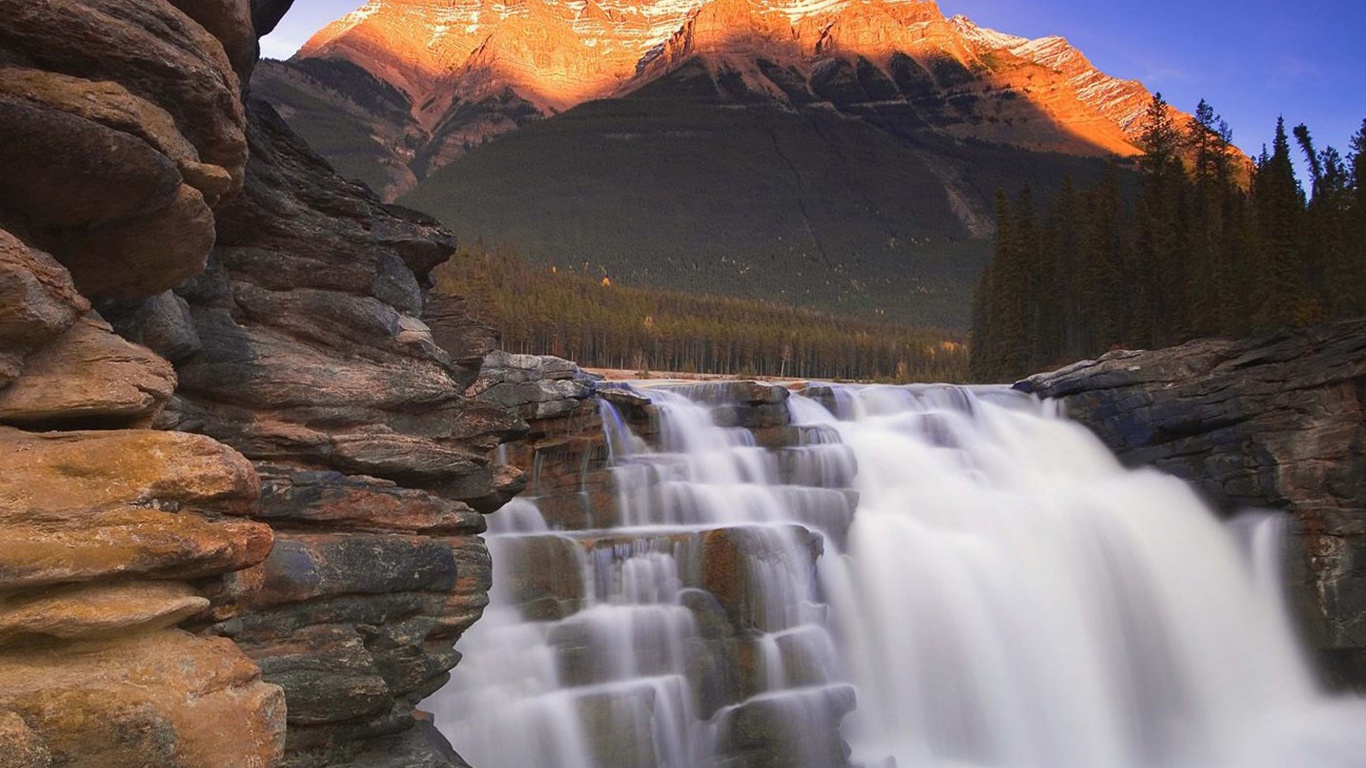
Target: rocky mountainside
{"points": [[857, 143], [225, 398], [472, 69], [1276, 422]]}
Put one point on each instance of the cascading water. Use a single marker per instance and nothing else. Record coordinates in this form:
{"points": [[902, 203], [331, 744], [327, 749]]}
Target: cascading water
{"points": [[997, 590]]}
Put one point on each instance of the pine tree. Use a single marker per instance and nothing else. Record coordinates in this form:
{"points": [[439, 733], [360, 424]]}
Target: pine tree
{"points": [[1355, 254], [1160, 262], [1280, 206]]}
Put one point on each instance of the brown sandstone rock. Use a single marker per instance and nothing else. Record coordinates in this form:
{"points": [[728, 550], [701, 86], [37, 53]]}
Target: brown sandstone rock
{"points": [[141, 256], [230, 22], [88, 376], [20, 747], [162, 698], [91, 175], [37, 302], [148, 47], [79, 506], [111, 105], [85, 611]]}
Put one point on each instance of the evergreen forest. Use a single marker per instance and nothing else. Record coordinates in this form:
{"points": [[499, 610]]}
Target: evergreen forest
{"points": [[540, 309], [1203, 243]]}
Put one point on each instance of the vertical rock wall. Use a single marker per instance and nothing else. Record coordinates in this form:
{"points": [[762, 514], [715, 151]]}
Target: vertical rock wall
{"points": [[306, 350], [120, 133], [1279, 422], [180, 274]]}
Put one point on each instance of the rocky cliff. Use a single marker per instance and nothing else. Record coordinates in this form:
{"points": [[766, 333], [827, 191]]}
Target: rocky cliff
{"points": [[240, 480], [1276, 422]]}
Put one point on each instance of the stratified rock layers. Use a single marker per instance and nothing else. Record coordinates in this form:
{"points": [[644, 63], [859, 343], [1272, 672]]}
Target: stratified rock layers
{"points": [[161, 299], [313, 361], [1276, 422], [123, 130]]}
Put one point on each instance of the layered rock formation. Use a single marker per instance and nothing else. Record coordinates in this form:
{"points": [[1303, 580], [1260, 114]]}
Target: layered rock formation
{"points": [[163, 297], [1276, 422], [123, 131]]}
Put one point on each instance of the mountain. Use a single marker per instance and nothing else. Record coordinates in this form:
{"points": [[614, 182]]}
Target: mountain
{"points": [[841, 153]]}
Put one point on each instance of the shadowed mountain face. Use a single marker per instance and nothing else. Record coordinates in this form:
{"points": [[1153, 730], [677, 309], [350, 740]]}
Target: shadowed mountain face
{"points": [[837, 153]]}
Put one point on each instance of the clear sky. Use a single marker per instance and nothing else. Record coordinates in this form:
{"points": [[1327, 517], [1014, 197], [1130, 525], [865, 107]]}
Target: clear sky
{"points": [[1251, 59]]}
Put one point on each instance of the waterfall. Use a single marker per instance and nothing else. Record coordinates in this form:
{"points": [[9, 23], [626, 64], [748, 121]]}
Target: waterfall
{"points": [[908, 577]]}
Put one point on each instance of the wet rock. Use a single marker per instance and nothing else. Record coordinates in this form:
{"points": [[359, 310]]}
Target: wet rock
{"points": [[733, 561], [1277, 421], [794, 728], [543, 575]]}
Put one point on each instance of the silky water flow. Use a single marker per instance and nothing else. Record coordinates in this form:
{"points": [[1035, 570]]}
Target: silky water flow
{"points": [[934, 577]]}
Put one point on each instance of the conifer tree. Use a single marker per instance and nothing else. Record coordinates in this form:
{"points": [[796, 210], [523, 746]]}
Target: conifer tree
{"points": [[1355, 254], [1160, 265], [1280, 203]]}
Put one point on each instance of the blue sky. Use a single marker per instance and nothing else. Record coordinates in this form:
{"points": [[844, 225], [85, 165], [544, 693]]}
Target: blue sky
{"points": [[1252, 60]]}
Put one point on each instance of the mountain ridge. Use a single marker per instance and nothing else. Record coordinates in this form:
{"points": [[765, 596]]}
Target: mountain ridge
{"points": [[453, 59], [841, 154]]}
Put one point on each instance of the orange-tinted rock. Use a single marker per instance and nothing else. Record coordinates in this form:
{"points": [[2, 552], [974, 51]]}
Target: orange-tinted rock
{"points": [[148, 470], [86, 611], [164, 698], [88, 376], [37, 302], [22, 748]]}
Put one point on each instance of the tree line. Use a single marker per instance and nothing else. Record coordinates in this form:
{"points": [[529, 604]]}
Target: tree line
{"points": [[546, 310], [1209, 244]]}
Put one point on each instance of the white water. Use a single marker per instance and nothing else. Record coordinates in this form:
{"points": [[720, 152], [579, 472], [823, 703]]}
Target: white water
{"points": [[1009, 597]]}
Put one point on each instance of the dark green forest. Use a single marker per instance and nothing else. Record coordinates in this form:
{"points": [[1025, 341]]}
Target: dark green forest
{"points": [[547, 310], [1208, 245]]}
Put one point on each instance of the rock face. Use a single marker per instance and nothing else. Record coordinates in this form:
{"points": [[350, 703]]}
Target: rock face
{"points": [[123, 131], [1274, 422], [163, 297]]}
